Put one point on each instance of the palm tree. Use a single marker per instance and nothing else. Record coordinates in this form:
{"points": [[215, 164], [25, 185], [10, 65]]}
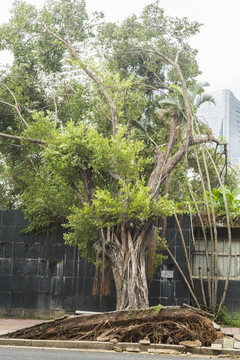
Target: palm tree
{"points": [[174, 103]]}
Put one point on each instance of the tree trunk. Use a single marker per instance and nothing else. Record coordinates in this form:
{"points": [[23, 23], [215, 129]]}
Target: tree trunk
{"points": [[129, 269], [131, 285]]}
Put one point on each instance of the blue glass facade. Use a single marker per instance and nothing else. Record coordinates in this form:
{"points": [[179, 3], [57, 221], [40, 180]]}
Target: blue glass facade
{"points": [[224, 120]]}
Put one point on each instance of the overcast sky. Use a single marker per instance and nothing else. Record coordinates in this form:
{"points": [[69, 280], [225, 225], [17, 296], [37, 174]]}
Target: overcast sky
{"points": [[218, 43]]}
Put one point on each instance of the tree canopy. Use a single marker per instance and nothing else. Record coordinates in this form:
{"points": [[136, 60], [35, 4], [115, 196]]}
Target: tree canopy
{"points": [[94, 153]]}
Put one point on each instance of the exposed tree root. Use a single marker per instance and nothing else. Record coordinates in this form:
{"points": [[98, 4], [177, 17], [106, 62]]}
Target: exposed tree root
{"points": [[169, 326]]}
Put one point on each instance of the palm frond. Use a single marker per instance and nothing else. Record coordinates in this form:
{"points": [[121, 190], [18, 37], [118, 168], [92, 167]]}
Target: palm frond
{"points": [[168, 102], [178, 88], [200, 99], [197, 89]]}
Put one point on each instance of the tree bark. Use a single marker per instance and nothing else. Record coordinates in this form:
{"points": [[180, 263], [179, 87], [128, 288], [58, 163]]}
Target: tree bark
{"points": [[128, 264], [131, 285]]}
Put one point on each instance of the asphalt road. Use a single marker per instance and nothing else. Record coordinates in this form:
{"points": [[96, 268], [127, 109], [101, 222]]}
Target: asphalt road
{"points": [[12, 353]]}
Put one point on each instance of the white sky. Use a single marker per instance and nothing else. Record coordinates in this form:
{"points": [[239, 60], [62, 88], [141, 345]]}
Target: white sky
{"points": [[218, 42]]}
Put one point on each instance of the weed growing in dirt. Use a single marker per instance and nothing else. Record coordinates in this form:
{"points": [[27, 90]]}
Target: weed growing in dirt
{"points": [[131, 313], [157, 309]]}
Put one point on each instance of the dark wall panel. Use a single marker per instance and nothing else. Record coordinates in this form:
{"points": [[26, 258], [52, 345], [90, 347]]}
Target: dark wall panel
{"points": [[36, 273]]}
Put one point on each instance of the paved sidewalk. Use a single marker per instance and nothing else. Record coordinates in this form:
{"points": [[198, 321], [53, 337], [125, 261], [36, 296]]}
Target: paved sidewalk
{"points": [[9, 325]]}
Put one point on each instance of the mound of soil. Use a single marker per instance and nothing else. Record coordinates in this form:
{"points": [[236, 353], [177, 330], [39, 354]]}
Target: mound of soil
{"points": [[167, 326]]}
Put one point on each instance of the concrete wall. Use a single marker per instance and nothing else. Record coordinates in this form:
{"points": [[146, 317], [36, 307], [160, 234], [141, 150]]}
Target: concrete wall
{"points": [[36, 273]]}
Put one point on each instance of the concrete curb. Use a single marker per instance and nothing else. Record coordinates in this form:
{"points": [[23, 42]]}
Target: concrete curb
{"points": [[97, 345]]}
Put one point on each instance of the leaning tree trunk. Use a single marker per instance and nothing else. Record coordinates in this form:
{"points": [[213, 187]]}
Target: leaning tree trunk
{"points": [[128, 263]]}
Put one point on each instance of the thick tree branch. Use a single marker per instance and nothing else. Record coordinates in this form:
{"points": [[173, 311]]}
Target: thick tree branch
{"points": [[86, 178], [178, 53], [205, 139], [114, 175], [175, 65], [164, 166], [77, 192], [156, 177], [180, 153]]}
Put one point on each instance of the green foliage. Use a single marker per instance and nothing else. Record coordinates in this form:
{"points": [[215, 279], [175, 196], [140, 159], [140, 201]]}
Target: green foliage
{"points": [[68, 20], [161, 245], [53, 199], [226, 319], [131, 203], [232, 202], [41, 127], [153, 27]]}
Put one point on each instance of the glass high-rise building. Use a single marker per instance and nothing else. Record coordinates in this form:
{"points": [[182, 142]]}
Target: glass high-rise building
{"points": [[224, 120]]}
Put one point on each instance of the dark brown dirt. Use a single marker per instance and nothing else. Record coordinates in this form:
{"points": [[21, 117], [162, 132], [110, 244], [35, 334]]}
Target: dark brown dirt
{"points": [[168, 326]]}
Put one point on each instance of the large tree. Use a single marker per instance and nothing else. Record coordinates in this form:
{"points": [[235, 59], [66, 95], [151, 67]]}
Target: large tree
{"points": [[94, 155]]}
